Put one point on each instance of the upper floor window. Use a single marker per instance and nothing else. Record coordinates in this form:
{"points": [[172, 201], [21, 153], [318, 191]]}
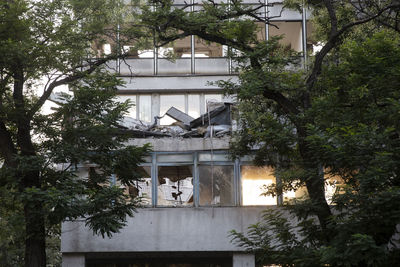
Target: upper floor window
{"points": [[146, 106]]}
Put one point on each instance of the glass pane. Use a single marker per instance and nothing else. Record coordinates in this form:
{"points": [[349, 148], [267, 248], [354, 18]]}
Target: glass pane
{"points": [[175, 186], [214, 157], [216, 185], [255, 181], [194, 106], [132, 99], [167, 101], [142, 188], [203, 48], [260, 31], [175, 158], [291, 32], [145, 108], [247, 158]]}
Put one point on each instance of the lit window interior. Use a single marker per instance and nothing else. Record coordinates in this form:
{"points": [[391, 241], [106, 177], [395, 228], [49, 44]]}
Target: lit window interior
{"points": [[254, 181]]}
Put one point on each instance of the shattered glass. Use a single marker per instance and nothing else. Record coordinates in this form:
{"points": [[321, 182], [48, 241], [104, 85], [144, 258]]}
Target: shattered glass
{"points": [[175, 186]]}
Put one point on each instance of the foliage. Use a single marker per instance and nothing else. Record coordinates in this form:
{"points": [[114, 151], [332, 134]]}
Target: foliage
{"points": [[355, 135], [337, 118], [46, 45]]}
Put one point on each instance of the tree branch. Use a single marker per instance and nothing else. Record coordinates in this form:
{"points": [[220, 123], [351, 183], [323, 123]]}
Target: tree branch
{"points": [[333, 39], [67, 80]]}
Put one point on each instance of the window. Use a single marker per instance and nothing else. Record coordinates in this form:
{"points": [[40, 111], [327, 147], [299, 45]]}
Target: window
{"points": [[132, 100], [291, 33], [175, 186], [142, 187], [216, 185], [145, 108], [204, 49], [210, 179], [255, 181], [180, 48], [194, 106]]}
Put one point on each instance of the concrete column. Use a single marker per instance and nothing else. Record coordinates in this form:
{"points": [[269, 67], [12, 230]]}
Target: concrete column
{"points": [[73, 260], [243, 260]]}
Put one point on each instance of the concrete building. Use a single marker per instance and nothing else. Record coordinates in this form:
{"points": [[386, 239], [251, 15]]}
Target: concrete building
{"points": [[193, 194]]}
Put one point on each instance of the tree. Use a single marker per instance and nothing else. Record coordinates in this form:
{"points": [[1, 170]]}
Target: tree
{"points": [[304, 123], [45, 45], [355, 135]]}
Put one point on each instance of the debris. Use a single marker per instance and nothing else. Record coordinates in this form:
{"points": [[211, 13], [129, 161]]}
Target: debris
{"points": [[179, 115], [219, 116], [217, 130], [185, 126]]}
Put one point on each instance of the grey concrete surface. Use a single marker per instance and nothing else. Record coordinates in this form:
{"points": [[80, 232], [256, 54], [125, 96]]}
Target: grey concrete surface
{"points": [[182, 144], [169, 84], [165, 229]]}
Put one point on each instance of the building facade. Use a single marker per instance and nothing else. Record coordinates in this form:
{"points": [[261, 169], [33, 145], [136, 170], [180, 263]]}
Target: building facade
{"points": [[193, 194]]}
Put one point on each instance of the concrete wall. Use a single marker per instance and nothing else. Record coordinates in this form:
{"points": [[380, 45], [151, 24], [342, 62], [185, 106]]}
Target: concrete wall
{"points": [[170, 84], [183, 144], [165, 230]]}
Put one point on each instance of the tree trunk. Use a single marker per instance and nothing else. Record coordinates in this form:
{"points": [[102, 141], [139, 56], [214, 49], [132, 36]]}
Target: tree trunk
{"points": [[316, 190], [315, 184], [35, 244]]}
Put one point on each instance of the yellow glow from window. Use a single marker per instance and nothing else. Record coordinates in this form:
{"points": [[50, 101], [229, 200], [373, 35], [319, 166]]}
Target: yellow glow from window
{"points": [[253, 181]]}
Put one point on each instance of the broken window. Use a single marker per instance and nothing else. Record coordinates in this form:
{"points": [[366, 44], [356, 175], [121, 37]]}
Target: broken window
{"points": [[142, 187], [216, 185], [291, 33], [255, 182], [175, 186]]}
